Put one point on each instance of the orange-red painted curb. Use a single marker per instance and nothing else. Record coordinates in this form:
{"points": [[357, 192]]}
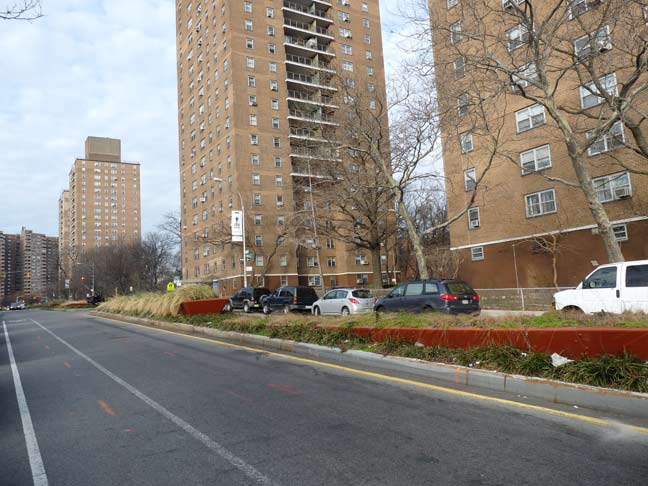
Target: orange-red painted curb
{"points": [[573, 342]]}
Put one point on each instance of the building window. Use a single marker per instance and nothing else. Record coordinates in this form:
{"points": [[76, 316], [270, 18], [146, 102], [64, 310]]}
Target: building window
{"points": [[258, 240], [346, 49], [611, 140], [258, 219], [466, 141], [539, 203], [278, 180], [453, 3], [248, 25], [473, 218], [346, 33], [462, 105], [530, 117], [347, 66], [535, 159], [579, 7], [311, 261], [594, 42], [370, 71], [270, 30], [589, 92], [250, 62], [456, 33], [365, 23], [251, 82], [249, 43], [274, 104], [277, 162], [330, 243], [367, 39], [477, 253], [459, 68], [276, 141], [470, 179], [362, 278], [280, 200], [331, 262], [274, 85], [344, 16], [314, 281], [256, 179], [272, 67], [252, 100], [252, 120], [516, 37], [247, 7], [361, 260], [613, 187], [259, 261], [368, 55], [256, 199], [275, 123], [254, 159], [365, 7], [620, 232], [272, 48], [525, 76], [254, 139]]}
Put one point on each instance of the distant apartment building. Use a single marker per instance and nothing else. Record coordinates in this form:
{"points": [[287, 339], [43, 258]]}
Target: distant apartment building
{"points": [[256, 93], [29, 265], [529, 223], [102, 203]]}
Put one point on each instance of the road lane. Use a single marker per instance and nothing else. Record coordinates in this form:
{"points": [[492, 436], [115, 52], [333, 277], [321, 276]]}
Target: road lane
{"points": [[303, 424]]}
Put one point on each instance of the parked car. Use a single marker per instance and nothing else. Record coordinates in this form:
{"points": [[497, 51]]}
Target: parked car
{"points": [[449, 296], [614, 288], [17, 306], [344, 301], [94, 299], [287, 299], [248, 299]]}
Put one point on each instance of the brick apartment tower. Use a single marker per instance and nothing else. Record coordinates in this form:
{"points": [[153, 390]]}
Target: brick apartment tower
{"points": [[101, 205], [253, 87], [496, 239]]}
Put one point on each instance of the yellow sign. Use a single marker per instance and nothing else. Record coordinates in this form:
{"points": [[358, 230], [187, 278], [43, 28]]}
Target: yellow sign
{"points": [[170, 287]]}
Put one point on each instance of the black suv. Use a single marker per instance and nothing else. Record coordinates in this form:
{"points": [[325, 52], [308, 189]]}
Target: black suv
{"points": [[286, 299], [248, 299], [449, 296]]}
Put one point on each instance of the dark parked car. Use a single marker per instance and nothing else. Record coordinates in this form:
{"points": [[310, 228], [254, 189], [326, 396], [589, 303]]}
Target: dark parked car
{"points": [[94, 299], [286, 299], [248, 299], [449, 296]]}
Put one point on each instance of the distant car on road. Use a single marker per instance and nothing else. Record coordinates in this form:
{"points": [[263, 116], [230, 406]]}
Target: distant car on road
{"points": [[449, 296], [17, 306], [248, 299], [94, 299], [344, 301], [290, 298], [614, 288]]}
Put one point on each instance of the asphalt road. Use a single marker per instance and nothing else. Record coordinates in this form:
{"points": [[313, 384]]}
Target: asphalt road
{"points": [[115, 404]]}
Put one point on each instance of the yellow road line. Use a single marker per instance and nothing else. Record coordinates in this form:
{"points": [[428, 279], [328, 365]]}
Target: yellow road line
{"points": [[450, 391]]}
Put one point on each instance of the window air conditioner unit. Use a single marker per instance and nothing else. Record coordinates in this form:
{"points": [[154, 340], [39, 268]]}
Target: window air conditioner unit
{"points": [[474, 224], [253, 103], [621, 192], [203, 199]]}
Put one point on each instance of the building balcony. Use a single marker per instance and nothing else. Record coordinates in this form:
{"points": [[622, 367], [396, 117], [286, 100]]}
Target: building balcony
{"points": [[312, 81], [314, 153], [309, 134], [312, 12], [308, 63], [306, 28], [310, 45], [314, 99], [311, 116]]}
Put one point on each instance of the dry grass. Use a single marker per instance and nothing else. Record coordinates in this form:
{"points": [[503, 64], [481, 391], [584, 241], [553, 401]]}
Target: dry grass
{"points": [[160, 304]]}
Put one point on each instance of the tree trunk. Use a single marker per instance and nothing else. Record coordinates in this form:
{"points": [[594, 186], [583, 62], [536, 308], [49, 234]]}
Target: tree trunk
{"points": [[376, 268], [599, 214], [417, 244]]}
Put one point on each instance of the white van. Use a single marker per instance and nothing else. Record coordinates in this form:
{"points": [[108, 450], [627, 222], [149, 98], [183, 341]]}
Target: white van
{"points": [[614, 288]]}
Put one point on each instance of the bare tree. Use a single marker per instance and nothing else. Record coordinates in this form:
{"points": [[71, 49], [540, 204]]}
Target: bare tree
{"points": [[495, 54], [25, 10]]}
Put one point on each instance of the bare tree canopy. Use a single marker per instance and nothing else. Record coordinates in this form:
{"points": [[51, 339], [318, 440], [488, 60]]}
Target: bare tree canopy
{"points": [[25, 10]]}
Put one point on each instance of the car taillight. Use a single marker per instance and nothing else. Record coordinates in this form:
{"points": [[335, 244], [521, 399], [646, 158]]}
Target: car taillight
{"points": [[353, 301], [449, 297], [251, 299], [295, 300], [475, 297]]}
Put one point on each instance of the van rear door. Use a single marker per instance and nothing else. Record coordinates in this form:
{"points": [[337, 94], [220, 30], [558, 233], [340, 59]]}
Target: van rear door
{"points": [[634, 294]]}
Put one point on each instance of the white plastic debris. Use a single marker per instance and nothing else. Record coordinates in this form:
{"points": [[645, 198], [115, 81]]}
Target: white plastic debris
{"points": [[419, 345], [558, 360]]}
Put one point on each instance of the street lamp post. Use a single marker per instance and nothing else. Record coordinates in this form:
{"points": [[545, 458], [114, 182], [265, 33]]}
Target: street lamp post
{"points": [[218, 179]]}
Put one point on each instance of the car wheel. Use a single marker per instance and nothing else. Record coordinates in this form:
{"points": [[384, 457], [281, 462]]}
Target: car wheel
{"points": [[427, 308], [266, 309], [380, 309], [227, 307], [316, 311], [346, 311], [246, 308], [286, 310], [572, 308]]}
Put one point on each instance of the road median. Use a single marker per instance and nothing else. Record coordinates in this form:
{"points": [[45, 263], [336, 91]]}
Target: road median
{"points": [[608, 400]]}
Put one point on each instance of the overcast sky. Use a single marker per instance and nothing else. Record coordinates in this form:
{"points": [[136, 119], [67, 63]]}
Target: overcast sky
{"points": [[102, 68]]}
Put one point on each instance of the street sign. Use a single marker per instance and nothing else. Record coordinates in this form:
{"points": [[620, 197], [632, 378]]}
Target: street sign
{"points": [[67, 284], [248, 269], [170, 287], [237, 225]]}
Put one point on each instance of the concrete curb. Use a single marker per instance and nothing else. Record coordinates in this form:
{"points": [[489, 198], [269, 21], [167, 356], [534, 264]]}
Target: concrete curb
{"points": [[600, 399]]}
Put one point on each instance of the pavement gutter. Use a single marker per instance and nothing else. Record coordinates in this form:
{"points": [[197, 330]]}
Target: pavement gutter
{"points": [[600, 399]]}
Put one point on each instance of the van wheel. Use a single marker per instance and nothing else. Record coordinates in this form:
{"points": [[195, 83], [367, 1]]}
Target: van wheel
{"points": [[286, 310], [266, 309], [346, 311], [246, 308], [316, 311], [572, 308]]}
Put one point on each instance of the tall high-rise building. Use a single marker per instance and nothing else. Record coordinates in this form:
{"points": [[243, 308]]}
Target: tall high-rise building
{"points": [[518, 93], [102, 204], [256, 93]]}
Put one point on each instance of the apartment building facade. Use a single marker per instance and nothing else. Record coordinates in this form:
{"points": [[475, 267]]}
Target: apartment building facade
{"points": [[102, 203], [506, 160], [256, 93], [28, 265]]}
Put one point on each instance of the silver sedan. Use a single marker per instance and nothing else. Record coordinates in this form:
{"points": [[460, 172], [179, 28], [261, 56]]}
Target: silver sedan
{"points": [[344, 302]]}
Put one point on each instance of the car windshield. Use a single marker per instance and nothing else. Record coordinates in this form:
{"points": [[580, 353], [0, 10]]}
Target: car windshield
{"points": [[362, 294], [459, 288]]}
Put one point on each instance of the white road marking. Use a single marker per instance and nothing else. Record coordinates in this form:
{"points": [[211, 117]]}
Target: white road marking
{"points": [[208, 442], [33, 451]]}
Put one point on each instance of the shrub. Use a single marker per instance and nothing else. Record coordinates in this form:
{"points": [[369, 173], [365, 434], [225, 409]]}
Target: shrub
{"points": [[157, 304]]}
